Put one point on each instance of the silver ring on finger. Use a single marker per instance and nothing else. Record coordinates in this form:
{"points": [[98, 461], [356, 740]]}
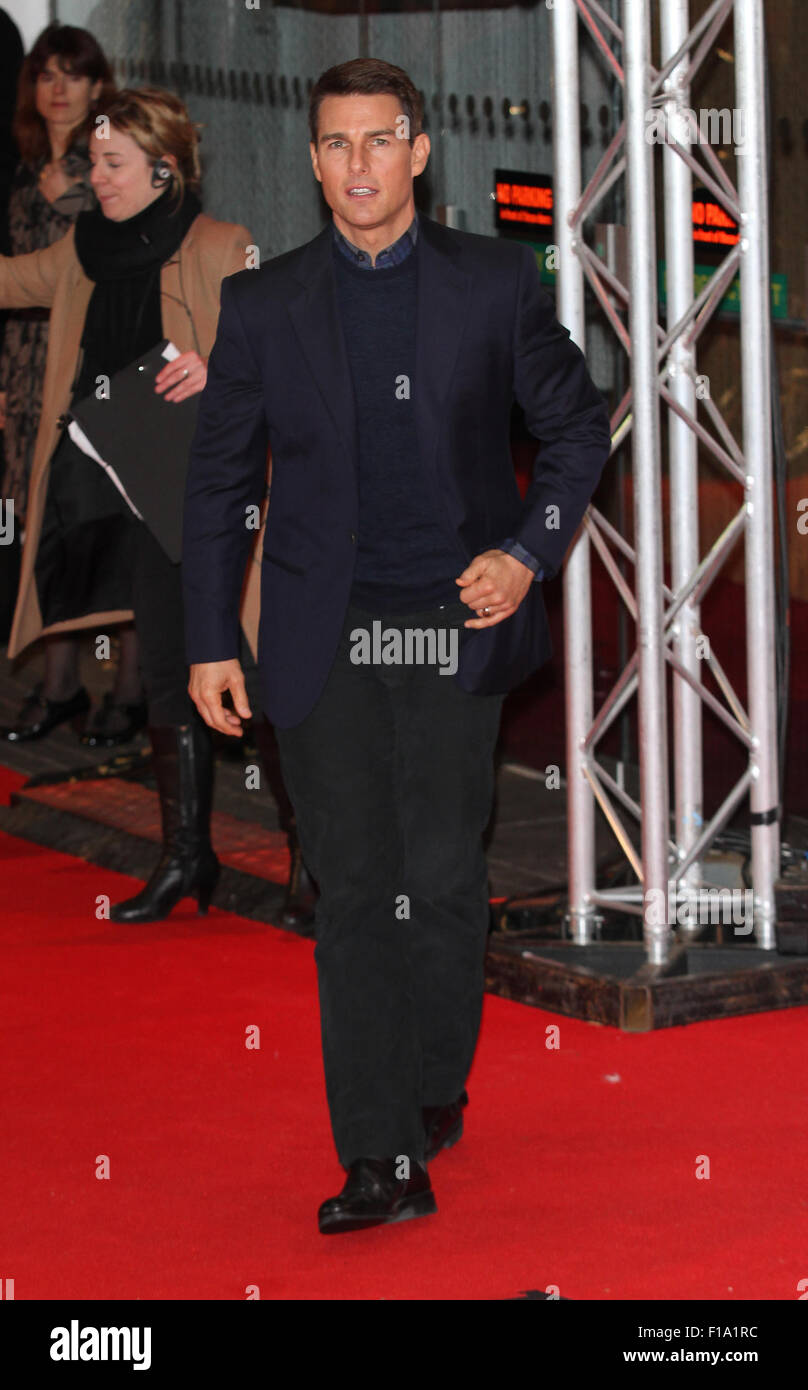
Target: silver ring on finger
{"points": [[486, 612], [186, 372]]}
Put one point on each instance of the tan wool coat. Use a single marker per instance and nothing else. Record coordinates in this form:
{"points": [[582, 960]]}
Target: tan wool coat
{"points": [[189, 285]]}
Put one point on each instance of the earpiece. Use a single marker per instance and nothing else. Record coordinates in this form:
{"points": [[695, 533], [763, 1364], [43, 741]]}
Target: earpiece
{"points": [[160, 172]]}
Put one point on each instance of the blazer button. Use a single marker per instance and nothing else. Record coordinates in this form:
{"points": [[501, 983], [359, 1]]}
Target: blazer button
{"points": [[353, 538]]}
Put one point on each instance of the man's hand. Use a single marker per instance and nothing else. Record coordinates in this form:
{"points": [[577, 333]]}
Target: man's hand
{"points": [[496, 582], [209, 679]]}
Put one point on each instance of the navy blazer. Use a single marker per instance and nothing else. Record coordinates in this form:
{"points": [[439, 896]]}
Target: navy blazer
{"points": [[278, 376]]}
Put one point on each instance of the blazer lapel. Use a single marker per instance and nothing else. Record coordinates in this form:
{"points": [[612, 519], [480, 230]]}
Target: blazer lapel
{"points": [[315, 315], [444, 294]]}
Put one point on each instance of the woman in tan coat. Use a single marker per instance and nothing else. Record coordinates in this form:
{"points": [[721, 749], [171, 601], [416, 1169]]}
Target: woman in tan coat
{"points": [[145, 265]]}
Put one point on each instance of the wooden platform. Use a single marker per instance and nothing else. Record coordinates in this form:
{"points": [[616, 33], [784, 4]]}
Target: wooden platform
{"points": [[610, 982]]}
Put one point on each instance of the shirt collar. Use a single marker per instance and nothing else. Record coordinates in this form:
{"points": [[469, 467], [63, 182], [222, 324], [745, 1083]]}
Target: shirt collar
{"points": [[391, 255]]}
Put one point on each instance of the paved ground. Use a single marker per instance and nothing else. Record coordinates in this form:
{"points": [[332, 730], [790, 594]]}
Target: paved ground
{"points": [[91, 806], [527, 838]]}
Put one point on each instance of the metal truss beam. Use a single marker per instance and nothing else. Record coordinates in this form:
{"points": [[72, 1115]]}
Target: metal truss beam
{"points": [[663, 373]]}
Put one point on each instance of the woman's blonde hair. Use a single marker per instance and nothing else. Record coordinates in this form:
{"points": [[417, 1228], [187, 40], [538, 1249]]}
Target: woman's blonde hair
{"points": [[159, 124]]}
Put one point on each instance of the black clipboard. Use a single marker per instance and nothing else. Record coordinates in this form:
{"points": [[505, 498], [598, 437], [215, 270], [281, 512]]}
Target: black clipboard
{"points": [[143, 442]]}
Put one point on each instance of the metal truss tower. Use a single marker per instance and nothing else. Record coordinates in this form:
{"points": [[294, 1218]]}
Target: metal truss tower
{"points": [[663, 373]]}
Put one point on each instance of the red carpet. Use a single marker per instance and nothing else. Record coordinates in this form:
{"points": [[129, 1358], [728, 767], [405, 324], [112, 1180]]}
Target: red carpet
{"points": [[577, 1169]]}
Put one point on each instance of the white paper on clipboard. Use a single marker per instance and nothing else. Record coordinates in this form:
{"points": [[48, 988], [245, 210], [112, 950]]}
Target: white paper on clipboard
{"points": [[170, 351], [79, 437]]}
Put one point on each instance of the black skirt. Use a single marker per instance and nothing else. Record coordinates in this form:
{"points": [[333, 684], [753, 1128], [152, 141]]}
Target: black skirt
{"points": [[85, 555]]}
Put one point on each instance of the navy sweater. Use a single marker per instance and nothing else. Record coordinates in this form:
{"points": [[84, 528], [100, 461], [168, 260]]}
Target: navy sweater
{"points": [[407, 556]]}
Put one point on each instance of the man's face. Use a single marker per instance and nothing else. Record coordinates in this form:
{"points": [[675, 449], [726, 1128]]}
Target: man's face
{"points": [[364, 159]]}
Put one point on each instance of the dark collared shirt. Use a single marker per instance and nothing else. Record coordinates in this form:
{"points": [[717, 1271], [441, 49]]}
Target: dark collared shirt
{"points": [[391, 255], [394, 255]]}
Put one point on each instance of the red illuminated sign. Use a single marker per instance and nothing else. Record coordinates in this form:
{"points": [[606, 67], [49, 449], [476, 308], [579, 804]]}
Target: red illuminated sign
{"points": [[712, 224], [524, 200]]}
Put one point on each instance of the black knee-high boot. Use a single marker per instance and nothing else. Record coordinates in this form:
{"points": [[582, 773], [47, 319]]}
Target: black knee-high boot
{"points": [[182, 758]]}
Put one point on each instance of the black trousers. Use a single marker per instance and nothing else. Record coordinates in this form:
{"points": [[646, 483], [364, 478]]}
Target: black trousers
{"points": [[391, 777], [157, 603], [158, 609]]}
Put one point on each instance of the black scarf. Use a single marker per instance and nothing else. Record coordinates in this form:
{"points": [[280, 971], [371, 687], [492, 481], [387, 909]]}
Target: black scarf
{"points": [[124, 259]]}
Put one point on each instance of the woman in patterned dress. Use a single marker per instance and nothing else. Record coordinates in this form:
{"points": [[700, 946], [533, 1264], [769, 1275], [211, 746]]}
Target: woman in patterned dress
{"points": [[65, 81]]}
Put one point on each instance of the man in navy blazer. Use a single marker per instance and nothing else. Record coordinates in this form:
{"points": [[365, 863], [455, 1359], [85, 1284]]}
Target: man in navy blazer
{"points": [[400, 597]]}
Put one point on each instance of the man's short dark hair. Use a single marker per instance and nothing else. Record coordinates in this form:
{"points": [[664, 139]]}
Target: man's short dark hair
{"points": [[368, 77]]}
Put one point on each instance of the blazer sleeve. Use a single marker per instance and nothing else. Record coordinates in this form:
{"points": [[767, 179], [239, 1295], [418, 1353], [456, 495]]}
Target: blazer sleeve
{"points": [[226, 475], [30, 281], [566, 413]]}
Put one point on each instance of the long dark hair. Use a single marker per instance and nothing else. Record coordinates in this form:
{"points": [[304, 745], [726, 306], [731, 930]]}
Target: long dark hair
{"points": [[77, 53]]}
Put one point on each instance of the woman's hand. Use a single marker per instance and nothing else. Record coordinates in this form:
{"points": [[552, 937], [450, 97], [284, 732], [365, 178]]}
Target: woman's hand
{"points": [[53, 181], [183, 377]]}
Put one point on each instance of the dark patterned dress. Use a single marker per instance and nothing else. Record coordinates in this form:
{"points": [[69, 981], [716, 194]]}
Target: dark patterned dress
{"points": [[34, 223]]}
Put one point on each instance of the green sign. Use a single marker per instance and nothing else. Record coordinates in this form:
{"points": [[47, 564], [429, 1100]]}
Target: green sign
{"points": [[546, 259], [731, 303]]}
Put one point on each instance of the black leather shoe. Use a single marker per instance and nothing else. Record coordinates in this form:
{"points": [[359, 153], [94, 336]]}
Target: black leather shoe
{"points": [[52, 713], [374, 1196], [114, 723], [443, 1125]]}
